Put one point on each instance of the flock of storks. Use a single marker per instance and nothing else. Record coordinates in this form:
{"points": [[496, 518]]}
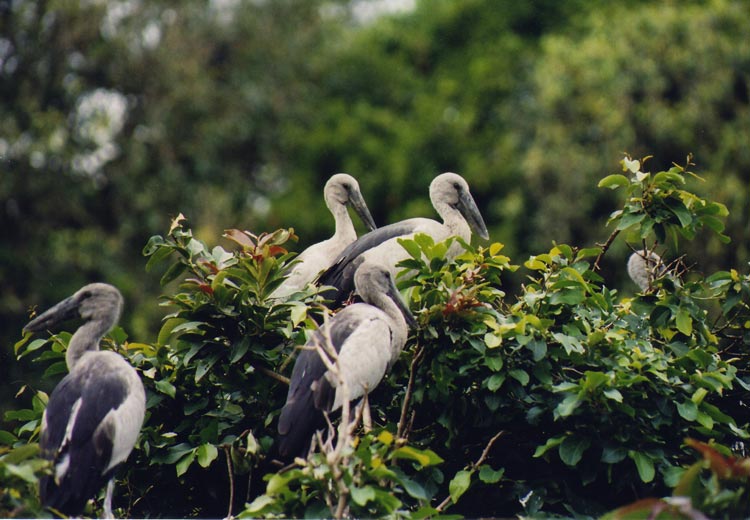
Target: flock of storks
{"points": [[95, 413]]}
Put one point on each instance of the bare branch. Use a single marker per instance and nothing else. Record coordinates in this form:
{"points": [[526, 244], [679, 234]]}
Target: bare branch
{"points": [[402, 431], [475, 466], [605, 247], [230, 472]]}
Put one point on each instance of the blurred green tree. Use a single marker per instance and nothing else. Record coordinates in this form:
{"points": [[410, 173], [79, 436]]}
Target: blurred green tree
{"points": [[666, 78]]}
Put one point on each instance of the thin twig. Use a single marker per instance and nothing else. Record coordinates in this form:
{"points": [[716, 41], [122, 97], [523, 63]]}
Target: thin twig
{"points": [[474, 466], [401, 431], [272, 374], [230, 472], [605, 247]]}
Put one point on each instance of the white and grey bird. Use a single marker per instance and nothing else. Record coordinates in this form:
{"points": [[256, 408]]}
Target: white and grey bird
{"points": [[451, 198], [341, 191], [644, 267], [95, 413], [368, 338]]}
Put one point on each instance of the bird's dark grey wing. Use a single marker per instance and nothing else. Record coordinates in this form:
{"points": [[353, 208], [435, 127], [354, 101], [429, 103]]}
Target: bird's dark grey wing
{"points": [[341, 274], [309, 391], [82, 399]]}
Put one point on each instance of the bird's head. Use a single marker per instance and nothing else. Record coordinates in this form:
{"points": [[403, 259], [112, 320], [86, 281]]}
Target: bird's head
{"points": [[96, 301], [450, 189], [374, 281], [343, 189]]}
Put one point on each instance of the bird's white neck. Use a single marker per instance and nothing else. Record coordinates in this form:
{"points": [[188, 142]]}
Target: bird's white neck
{"points": [[453, 220], [85, 339], [399, 328], [344, 230]]}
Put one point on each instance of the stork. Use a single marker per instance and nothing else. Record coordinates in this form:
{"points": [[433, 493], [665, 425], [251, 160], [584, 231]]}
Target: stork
{"points": [[340, 191], [368, 338], [451, 198], [643, 267], [94, 414]]}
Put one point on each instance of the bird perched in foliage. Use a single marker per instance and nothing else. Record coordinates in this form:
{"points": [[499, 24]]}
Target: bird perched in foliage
{"points": [[368, 338], [451, 198], [95, 413], [644, 267], [341, 191]]}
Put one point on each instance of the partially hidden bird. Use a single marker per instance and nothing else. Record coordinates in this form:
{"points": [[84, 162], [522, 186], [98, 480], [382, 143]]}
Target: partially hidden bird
{"points": [[94, 415], [451, 198], [368, 338], [340, 192], [644, 267]]}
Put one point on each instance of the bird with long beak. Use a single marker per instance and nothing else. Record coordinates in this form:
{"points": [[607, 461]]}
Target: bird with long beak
{"points": [[367, 337], [95, 413], [451, 198], [340, 192]]}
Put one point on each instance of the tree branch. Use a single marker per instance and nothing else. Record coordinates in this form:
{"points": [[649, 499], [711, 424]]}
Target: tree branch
{"points": [[605, 247], [474, 466], [402, 430], [230, 472]]}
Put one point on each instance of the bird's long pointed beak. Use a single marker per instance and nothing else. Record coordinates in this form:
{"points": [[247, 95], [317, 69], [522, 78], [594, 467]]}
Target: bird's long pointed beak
{"points": [[394, 295], [358, 203], [65, 310], [470, 211]]}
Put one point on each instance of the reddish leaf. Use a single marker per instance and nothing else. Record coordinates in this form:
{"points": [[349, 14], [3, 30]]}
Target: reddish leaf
{"points": [[276, 250], [240, 237], [723, 467]]}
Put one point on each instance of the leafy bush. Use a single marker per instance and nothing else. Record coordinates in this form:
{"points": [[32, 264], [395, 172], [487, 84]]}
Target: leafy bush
{"points": [[564, 398]]}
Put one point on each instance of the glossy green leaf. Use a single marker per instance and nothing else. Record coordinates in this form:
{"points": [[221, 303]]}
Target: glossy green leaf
{"points": [[459, 484]]}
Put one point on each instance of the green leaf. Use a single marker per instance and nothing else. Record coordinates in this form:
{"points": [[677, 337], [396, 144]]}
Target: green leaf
{"points": [[684, 322], [568, 405], [298, 313], [33, 346], [551, 443], [423, 457], [492, 340], [614, 394], [494, 363], [614, 181], [459, 484], [681, 212], [207, 453], [489, 475], [172, 273], [363, 495], [411, 247], [412, 487], [166, 330], [184, 463], [687, 410], [643, 464], [495, 381], [519, 375], [572, 449], [165, 387], [7, 438], [630, 219], [538, 349]]}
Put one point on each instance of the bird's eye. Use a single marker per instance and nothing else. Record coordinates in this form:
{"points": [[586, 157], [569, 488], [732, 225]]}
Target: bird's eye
{"points": [[86, 294], [457, 186]]}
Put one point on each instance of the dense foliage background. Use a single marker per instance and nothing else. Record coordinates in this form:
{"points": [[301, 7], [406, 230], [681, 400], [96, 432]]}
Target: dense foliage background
{"points": [[115, 117]]}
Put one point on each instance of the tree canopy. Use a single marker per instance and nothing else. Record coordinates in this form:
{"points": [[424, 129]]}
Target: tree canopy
{"points": [[116, 117]]}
